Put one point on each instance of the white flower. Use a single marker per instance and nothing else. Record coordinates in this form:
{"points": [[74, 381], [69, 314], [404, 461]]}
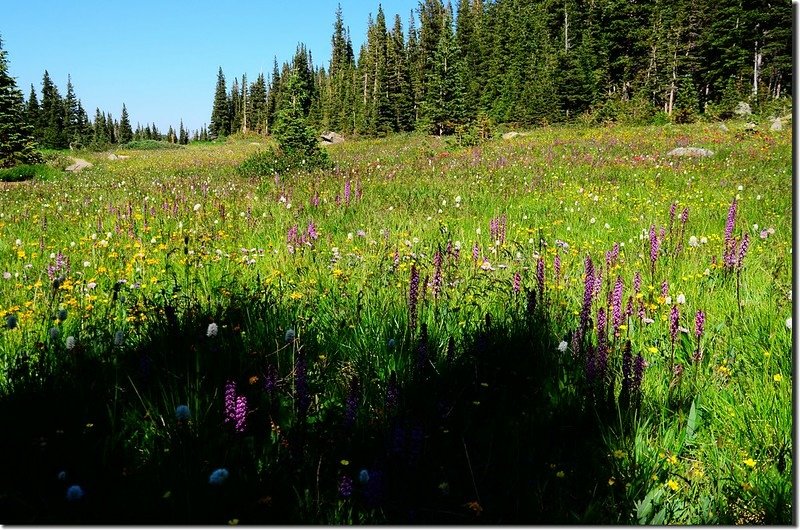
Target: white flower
{"points": [[70, 342], [86, 264], [789, 322], [562, 346], [592, 221], [740, 187], [607, 226], [196, 207], [18, 242], [693, 241], [668, 300], [755, 227], [703, 240], [212, 330], [458, 198], [6, 275], [681, 298], [648, 320], [478, 231]]}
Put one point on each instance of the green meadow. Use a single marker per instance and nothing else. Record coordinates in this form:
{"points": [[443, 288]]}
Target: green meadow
{"points": [[568, 326]]}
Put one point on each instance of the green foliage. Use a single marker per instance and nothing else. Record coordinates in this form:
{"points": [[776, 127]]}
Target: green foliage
{"points": [[27, 172], [274, 162], [150, 145], [17, 145]]}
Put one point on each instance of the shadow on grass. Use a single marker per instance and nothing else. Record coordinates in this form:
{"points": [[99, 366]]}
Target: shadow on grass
{"points": [[493, 428]]}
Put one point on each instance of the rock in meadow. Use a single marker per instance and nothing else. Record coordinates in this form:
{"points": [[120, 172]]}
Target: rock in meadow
{"points": [[690, 151]]}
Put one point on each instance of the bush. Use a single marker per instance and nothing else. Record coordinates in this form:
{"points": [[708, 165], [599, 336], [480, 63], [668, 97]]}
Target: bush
{"points": [[27, 172], [149, 145], [274, 162]]}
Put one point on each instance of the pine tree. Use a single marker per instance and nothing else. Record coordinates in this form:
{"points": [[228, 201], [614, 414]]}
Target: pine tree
{"points": [[71, 118], [84, 127], [183, 135], [125, 132], [295, 137], [32, 112], [445, 91], [399, 80], [17, 145], [52, 115], [220, 116], [258, 105], [100, 136]]}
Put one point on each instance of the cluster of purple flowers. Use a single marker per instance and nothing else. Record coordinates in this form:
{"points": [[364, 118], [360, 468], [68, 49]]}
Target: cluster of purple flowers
{"points": [[235, 407], [59, 268], [497, 228], [413, 296]]}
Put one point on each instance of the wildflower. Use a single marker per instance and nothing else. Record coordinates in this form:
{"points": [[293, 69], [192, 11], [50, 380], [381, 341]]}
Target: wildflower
{"points": [[616, 305], [654, 246], [6, 275], [74, 493], [62, 315], [789, 322], [745, 243], [413, 292], [363, 476], [674, 318], [240, 414], [11, 322], [540, 274], [693, 242], [516, 283], [290, 335], [777, 378], [218, 477], [673, 485], [196, 207], [749, 462], [212, 330], [70, 343], [699, 323], [345, 486], [182, 413], [562, 346], [54, 333], [230, 401], [681, 299]]}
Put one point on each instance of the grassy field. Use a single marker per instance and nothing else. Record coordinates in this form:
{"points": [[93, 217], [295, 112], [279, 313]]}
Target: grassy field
{"points": [[567, 326]]}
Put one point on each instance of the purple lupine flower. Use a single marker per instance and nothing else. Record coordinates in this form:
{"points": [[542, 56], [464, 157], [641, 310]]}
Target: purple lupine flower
{"points": [[616, 305], [641, 313], [664, 288], [396, 259], [598, 282], [494, 229], [674, 319], [729, 257], [557, 266], [347, 192], [540, 275], [230, 401], [602, 321], [240, 414], [345, 486], [654, 246], [629, 307], [699, 323], [502, 229], [588, 292], [745, 244], [731, 221], [291, 235], [637, 282], [476, 252], [312, 231], [315, 199], [437, 273], [684, 215], [516, 284], [413, 294]]}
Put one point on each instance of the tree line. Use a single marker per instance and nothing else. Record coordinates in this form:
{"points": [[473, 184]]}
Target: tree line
{"points": [[530, 62], [61, 122]]}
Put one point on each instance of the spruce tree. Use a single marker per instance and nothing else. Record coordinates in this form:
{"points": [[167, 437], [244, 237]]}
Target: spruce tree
{"points": [[125, 132], [71, 115], [100, 136], [52, 115], [220, 124], [32, 112], [183, 135], [17, 145]]}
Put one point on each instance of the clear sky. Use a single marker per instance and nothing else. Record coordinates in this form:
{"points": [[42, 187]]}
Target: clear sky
{"points": [[160, 57]]}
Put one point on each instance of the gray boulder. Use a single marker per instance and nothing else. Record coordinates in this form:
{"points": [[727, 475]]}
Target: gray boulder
{"points": [[690, 151], [723, 127], [777, 125], [331, 137], [743, 109], [510, 135]]}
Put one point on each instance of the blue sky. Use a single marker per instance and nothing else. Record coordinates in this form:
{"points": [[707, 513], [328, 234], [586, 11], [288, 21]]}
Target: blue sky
{"points": [[161, 58]]}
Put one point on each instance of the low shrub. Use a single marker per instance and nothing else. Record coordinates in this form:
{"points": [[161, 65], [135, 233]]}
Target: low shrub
{"points": [[149, 145], [27, 172], [275, 162]]}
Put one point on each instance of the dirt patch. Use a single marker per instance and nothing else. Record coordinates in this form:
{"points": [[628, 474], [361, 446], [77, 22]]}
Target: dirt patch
{"points": [[79, 164]]}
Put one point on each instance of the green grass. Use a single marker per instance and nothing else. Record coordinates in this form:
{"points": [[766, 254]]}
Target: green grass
{"points": [[164, 243], [27, 172]]}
